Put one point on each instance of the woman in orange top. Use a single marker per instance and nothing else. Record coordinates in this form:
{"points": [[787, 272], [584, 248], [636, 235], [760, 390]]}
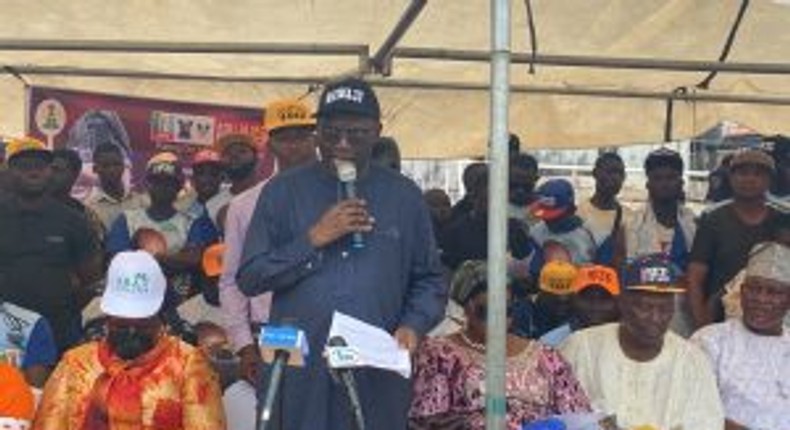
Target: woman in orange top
{"points": [[138, 377], [17, 404]]}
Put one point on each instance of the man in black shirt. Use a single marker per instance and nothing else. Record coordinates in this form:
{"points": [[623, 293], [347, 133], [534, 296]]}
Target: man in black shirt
{"points": [[466, 238], [726, 235], [48, 258], [472, 173], [66, 168]]}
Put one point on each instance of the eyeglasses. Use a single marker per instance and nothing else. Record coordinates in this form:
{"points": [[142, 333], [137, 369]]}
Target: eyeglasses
{"points": [[29, 163], [353, 135]]}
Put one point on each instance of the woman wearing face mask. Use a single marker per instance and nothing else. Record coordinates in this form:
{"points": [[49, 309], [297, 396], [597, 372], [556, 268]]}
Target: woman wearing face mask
{"points": [[450, 370], [138, 377]]}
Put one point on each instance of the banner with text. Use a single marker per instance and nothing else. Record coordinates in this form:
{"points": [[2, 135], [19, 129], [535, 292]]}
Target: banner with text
{"points": [[139, 126]]}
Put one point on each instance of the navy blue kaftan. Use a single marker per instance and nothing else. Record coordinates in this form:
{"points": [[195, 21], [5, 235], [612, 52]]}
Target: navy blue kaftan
{"points": [[396, 280]]}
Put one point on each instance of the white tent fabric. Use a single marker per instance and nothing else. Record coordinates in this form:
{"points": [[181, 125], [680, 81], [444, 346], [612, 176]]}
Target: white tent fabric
{"points": [[427, 122]]}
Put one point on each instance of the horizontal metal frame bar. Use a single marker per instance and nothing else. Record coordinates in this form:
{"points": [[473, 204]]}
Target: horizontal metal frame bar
{"points": [[594, 61], [403, 53], [705, 97], [183, 47], [152, 75], [593, 92]]}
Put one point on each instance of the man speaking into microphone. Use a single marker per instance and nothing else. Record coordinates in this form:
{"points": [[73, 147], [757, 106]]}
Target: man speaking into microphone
{"points": [[323, 238]]}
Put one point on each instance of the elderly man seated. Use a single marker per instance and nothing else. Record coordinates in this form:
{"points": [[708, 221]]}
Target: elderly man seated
{"points": [[639, 371], [138, 377], [751, 354]]}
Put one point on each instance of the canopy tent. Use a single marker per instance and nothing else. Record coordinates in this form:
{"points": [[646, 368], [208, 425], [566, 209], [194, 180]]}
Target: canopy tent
{"points": [[603, 69]]}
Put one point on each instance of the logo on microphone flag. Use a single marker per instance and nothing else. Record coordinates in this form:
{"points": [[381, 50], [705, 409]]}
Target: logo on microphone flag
{"points": [[343, 357]]}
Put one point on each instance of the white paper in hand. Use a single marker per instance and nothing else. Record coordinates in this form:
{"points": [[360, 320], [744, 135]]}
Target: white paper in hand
{"points": [[373, 346]]}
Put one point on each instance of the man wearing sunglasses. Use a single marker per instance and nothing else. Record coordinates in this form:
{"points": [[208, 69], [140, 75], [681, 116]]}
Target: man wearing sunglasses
{"points": [[301, 246]]}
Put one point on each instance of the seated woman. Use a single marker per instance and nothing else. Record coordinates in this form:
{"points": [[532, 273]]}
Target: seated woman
{"points": [[450, 370]]}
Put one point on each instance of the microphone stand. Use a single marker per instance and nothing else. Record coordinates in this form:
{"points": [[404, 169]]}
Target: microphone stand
{"points": [[353, 396], [346, 378], [278, 367]]}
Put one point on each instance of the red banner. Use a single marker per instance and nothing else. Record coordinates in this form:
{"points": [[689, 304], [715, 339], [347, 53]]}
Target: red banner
{"points": [[81, 120]]}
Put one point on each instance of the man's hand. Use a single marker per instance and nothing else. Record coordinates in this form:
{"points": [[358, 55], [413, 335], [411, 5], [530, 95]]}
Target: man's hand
{"points": [[407, 338], [348, 216], [249, 364]]}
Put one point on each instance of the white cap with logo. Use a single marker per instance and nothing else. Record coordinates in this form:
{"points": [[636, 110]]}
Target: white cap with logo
{"points": [[135, 286]]}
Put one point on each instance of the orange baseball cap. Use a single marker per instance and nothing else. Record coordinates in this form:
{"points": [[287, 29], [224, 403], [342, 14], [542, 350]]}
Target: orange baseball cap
{"points": [[16, 397], [213, 260], [601, 276]]}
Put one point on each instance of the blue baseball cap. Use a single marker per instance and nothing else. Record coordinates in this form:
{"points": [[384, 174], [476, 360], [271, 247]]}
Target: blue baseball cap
{"points": [[555, 199], [653, 273]]}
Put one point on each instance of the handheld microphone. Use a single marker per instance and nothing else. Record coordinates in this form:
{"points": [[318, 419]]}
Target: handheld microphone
{"points": [[341, 358], [347, 174], [281, 346]]}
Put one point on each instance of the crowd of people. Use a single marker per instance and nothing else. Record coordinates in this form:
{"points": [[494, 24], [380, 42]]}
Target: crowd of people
{"points": [[140, 307]]}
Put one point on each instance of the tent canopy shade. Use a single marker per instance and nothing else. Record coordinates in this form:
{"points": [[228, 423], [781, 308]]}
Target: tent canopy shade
{"points": [[600, 65]]}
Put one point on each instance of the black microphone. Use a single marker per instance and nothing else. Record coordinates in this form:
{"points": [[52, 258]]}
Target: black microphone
{"points": [[347, 174], [346, 377]]}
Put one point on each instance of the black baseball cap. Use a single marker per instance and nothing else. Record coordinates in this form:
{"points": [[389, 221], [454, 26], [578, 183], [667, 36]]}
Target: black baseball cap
{"points": [[350, 96], [664, 157]]}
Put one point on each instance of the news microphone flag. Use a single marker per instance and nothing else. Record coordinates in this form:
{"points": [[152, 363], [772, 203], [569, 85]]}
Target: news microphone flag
{"points": [[275, 338], [343, 357]]}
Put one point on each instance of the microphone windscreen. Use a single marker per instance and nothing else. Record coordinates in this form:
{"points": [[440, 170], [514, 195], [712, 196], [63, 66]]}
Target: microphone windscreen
{"points": [[337, 341], [346, 170]]}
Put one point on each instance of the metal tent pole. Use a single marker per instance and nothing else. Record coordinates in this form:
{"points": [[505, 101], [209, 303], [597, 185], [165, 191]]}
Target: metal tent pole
{"points": [[382, 59], [496, 334]]}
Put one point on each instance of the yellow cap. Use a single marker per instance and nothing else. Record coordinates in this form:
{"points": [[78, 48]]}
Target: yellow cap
{"points": [[557, 278], [26, 144], [287, 113], [165, 157]]}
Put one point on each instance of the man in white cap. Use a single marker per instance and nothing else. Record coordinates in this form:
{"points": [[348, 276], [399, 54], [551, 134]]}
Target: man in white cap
{"points": [[751, 354], [138, 377]]}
